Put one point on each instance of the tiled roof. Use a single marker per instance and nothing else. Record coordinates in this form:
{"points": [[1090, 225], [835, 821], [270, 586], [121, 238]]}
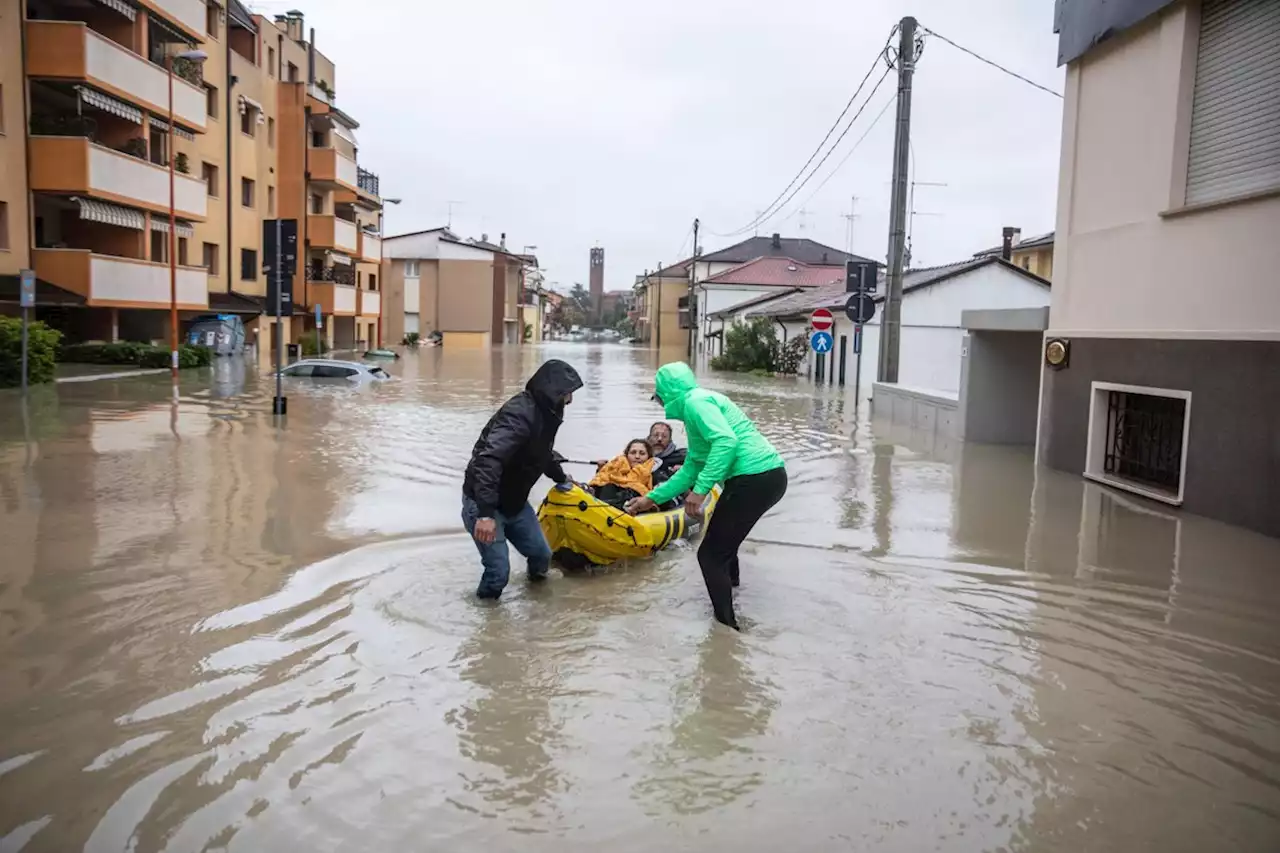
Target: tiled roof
{"points": [[834, 296], [798, 248], [779, 272]]}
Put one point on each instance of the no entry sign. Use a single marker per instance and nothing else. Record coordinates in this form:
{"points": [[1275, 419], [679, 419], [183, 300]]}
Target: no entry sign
{"points": [[821, 320]]}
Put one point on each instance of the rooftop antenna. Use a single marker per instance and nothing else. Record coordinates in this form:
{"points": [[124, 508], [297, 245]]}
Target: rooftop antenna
{"points": [[449, 223], [848, 223]]}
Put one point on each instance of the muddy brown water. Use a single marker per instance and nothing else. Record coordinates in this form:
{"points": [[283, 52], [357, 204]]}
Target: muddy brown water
{"points": [[216, 634]]}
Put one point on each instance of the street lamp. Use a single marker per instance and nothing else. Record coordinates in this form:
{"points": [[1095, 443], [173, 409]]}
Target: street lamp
{"points": [[192, 56]]}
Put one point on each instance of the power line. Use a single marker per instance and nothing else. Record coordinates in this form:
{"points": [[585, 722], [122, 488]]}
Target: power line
{"points": [[996, 65], [849, 153], [773, 206]]}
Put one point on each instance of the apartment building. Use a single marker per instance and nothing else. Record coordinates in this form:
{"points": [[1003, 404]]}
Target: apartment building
{"points": [[468, 290], [659, 297], [1159, 363], [256, 135]]}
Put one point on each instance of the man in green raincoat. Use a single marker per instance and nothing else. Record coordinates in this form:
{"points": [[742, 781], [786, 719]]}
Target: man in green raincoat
{"points": [[724, 447]]}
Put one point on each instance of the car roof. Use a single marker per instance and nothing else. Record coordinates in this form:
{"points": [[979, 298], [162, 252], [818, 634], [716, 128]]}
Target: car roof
{"points": [[330, 361]]}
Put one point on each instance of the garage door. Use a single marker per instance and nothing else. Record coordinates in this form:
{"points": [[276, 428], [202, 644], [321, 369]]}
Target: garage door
{"points": [[411, 323]]}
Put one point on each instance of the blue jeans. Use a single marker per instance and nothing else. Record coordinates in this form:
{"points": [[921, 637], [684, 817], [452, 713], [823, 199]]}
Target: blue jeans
{"points": [[523, 531]]}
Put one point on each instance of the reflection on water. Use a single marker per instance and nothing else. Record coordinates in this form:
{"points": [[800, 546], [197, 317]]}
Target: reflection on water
{"points": [[219, 634]]}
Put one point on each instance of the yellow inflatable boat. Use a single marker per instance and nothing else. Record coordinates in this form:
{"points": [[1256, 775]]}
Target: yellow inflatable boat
{"points": [[585, 531]]}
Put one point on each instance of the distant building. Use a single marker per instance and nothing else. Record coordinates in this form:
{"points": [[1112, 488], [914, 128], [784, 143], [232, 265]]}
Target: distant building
{"points": [[1159, 363], [468, 290], [596, 284], [659, 296], [1034, 254]]}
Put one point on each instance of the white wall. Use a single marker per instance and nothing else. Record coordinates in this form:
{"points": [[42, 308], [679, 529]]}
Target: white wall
{"points": [[370, 303], [135, 281], [344, 299], [412, 294], [712, 298], [344, 235], [346, 170], [1119, 266], [189, 12], [130, 177]]}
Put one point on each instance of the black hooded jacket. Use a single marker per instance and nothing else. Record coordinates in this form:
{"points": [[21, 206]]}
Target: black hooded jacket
{"points": [[515, 447]]}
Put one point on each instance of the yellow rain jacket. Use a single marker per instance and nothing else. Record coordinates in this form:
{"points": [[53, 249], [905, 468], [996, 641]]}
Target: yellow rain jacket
{"points": [[618, 472]]}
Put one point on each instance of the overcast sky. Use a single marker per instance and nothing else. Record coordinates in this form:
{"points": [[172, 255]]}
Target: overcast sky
{"points": [[569, 124]]}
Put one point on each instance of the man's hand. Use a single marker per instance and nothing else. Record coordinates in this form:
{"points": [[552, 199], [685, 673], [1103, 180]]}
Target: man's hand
{"points": [[486, 531], [638, 505], [693, 504]]}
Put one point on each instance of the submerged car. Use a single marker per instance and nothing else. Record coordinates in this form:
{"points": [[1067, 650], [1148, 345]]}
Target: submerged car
{"points": [[327, 368]]}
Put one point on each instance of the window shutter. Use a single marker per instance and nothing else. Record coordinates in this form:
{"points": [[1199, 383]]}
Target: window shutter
{"points": [[1235, 117]]}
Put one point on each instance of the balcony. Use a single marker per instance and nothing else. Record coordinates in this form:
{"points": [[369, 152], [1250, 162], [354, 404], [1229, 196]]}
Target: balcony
{"points": [[188, 15], [318, 100], [109, 281], [330, 232], [369, 303], [367, 183], [72, 165], [328, 166], [333, 298], [64, 50], [370, 248]]}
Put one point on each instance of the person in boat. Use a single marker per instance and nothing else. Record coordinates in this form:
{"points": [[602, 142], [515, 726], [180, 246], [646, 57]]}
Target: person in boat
{"points": [[667, 455], [515, 449], [626, 476], [724, 447]]}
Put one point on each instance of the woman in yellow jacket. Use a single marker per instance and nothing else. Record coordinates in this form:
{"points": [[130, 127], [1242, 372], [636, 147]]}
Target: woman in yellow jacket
{"points": [[626, 476]]}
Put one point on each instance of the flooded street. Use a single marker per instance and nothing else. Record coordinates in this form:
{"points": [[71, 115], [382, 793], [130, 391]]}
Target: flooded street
{"points": [[220, 635]]}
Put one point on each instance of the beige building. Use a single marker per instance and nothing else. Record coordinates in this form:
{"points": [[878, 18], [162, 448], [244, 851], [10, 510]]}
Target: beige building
{"points": [[657, 306], [469, 291], [256, 136], [1160, 358], [1033, 254]]}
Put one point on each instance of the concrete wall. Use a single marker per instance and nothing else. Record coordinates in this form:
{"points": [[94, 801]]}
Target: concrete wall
{"points": [[920, 410], [1000, 387], [1127, 261], [13, 160], [465, 295]]}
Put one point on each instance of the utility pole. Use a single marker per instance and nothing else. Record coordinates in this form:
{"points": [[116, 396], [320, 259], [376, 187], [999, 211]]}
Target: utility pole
{"points": [[891, 325], [693, 277], [848, 226]]}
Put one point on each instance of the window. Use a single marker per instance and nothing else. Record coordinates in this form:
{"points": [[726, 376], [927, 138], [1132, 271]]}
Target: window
{"points": [[182, 251], [248, 120], [317, 139], [410, 269], [211, 100], [211, 20], [1137, 439], [246, 192], [249, 264], [159, 247], [271, 61], [271, 201], [1235, 141], [333, 371], [210, 257], [209, 172], [4, 226], [1026, 262], [293, 73], [271, 132], [317, 203], [373, 281]]}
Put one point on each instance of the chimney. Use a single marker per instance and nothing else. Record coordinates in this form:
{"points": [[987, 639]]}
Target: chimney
{"points": [[1009, 240], [484, 238], [824, 258], [777, 241], [293, 25], [502, 241]]}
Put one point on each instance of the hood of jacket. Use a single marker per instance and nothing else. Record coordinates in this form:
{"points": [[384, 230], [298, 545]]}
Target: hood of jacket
{"points": [[551, 382], [673, 383]]}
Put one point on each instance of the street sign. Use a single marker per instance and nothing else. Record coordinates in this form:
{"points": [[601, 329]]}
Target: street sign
{"points": [[27, 293], [279, 258], [319, 317], [821, 342], [821, 320], [860, 276], [859, 307]]}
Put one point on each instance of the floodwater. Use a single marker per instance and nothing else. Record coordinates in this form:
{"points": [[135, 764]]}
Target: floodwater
{"points": [[217, 634]]}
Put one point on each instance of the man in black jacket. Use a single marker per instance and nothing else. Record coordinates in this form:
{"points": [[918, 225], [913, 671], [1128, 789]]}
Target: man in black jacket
{"points": [[513, 451]]}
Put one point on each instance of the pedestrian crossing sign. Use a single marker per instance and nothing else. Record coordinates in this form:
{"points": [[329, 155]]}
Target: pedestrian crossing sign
{"points": [[821, 342]]}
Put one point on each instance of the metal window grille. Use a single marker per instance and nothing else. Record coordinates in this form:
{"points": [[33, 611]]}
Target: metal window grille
{"points": [[1144, 438]]}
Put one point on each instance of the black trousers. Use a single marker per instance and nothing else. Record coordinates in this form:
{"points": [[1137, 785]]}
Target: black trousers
{"points": [[743, 502]]}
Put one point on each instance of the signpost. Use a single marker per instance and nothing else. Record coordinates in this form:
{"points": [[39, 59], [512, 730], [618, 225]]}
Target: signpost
{"points": [[821, 320], [860, 281], [27, 300], [821, 342], [280, 254]]}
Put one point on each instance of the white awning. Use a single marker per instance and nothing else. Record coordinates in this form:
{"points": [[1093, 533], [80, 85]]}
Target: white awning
{"points": [[122, 7], [159, 223], [111, 214], [106, 103], [178, 131], [339, 258], [344, 132], [247, 103]]}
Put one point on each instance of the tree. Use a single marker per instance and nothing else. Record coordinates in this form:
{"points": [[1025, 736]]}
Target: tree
{"points": [[42, 350], [750, 346]]}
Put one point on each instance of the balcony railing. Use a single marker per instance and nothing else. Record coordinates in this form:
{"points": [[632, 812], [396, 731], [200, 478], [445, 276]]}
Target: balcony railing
{"points": [[338, 274], [367, 181], [130, 282], [76, 166]]}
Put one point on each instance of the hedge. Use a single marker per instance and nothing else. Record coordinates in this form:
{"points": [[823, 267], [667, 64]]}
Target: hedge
{"points": [[42, 349], [135, 354]]}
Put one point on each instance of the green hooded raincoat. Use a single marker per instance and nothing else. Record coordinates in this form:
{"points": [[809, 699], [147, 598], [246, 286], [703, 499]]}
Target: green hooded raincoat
{"points": [[723, 442]]}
